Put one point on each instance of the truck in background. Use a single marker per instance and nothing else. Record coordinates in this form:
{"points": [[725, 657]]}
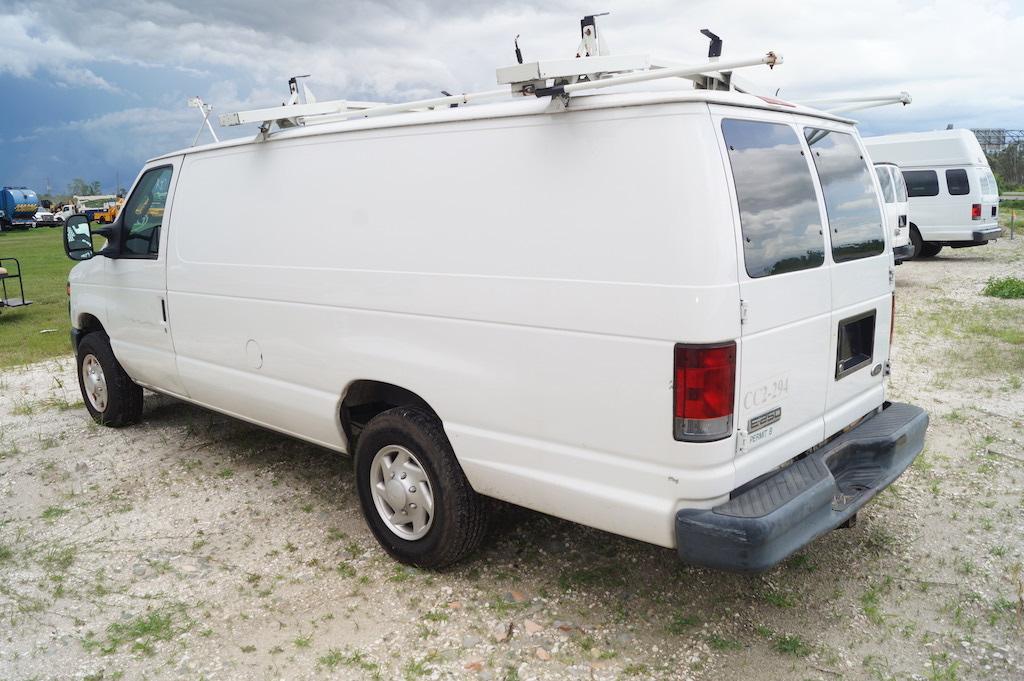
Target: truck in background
{"points": [[91, 206], [109, 214], [18, 206]]}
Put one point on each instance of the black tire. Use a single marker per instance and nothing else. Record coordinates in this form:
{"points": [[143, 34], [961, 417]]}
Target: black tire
{"points": [[929, 249], [916, 241], [123, 403], [459, 518]]}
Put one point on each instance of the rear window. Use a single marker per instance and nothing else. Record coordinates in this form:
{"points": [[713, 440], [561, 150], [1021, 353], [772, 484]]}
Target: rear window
{"points": [[921, 182], [901, 186], [850, 198], [885, 180], [988, 182], [956, 182], [779, 213]]}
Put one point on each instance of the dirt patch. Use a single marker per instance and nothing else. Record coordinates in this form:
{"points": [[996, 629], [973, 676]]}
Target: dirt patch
{"points": [[196, 546]]}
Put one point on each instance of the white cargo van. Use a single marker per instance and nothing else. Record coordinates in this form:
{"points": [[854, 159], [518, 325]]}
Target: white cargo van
{"points": [[662, 314], [953, 195], [896, 207]]}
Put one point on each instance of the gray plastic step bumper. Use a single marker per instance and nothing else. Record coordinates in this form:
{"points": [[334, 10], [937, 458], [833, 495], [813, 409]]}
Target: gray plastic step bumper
{"points": [[769, 521]]}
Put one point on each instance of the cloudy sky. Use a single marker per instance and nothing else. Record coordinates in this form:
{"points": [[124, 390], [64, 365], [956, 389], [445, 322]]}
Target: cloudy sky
{"points": [[92, 89]]}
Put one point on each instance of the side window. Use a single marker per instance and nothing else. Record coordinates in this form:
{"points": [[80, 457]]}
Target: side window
{"points": [[144, 213], [850, 198], [921, 182], [901, 186], [779, 213], [885, 179], [956, 182]]}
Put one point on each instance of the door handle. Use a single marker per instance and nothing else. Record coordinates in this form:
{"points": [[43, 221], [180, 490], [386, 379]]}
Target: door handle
{"points": [[163, 309]]}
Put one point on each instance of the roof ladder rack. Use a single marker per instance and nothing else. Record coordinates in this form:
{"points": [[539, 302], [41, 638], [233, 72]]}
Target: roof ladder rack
{"points": [[592, 69]]}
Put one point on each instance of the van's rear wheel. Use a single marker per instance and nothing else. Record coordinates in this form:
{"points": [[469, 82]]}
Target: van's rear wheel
{"points": [[110, 396], [930, 250], [415, 497]]}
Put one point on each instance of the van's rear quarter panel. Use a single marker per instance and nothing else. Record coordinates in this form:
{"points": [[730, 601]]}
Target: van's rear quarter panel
{"points": [[528, 277]]}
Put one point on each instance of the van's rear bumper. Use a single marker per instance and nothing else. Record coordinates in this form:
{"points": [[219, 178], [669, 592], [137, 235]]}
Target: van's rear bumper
{"points": [[986, 234], [771, 520]]}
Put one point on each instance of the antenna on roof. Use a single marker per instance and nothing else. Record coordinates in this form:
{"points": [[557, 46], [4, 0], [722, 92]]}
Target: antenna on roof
{"points": [[205, 109], [519, 54]]}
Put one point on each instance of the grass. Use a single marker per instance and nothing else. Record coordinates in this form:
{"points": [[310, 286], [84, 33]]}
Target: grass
{"points": [[53, 512], [722, 644], [44, 273], [355, 660], [141, 632], [1004, 287], [1000, 324], [680, 623], [790, 644]]}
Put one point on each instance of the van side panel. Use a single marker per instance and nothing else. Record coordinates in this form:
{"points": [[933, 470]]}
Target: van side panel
{"points": [[533, 302], [943, 217]]}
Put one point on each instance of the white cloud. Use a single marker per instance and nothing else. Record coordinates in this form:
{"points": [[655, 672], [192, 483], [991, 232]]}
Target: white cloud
{"points": [[25, 49], [404, 48]]}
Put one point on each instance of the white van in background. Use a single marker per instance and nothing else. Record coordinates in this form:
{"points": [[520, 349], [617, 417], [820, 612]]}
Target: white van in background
{"points": [[895, 205], [680, 333], [953, 195]]}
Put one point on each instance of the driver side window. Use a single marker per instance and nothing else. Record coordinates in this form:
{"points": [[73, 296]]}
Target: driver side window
{"points": [[144, 212]]}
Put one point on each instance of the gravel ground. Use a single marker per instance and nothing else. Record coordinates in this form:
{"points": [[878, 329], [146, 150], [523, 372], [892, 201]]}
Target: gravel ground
{"points": [[195, 546]]}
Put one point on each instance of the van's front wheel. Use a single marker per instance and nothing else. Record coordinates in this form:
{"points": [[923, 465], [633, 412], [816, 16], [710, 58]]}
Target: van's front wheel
{"points": [[415, 497], [110, 395]]}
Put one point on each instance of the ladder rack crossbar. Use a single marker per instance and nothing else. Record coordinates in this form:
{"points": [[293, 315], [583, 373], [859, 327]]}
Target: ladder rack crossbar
{"points": [[859, 103]]}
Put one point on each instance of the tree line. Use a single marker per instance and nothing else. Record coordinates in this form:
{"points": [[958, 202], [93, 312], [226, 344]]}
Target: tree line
{"points": [[1008, 167]]}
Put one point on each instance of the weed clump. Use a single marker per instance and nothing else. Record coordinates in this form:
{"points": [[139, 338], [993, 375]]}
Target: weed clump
{"points": [[1004, 287]]}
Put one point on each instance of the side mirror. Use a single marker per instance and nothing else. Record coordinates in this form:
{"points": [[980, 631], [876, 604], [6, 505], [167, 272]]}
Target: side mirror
{"points": [[78, 238]]}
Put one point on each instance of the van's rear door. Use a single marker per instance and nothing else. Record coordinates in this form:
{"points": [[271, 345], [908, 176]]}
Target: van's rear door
{"points": [[861, 273], [989, 196], [784, 286]]}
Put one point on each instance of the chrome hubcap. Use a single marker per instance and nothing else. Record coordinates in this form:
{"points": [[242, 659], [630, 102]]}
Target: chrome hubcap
{"points": [[94, 382], [402, 492]]}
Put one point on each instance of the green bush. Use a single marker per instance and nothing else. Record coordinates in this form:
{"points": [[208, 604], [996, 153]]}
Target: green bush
{"points": [[1004, 287]]}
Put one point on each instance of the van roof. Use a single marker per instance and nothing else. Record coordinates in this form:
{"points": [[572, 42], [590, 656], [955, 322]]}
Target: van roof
{"points": [[526, 106], [931, 148]]}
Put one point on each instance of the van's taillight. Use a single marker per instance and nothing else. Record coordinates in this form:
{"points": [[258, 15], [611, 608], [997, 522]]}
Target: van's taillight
{"points": [[704, 387], [975, 211]]}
